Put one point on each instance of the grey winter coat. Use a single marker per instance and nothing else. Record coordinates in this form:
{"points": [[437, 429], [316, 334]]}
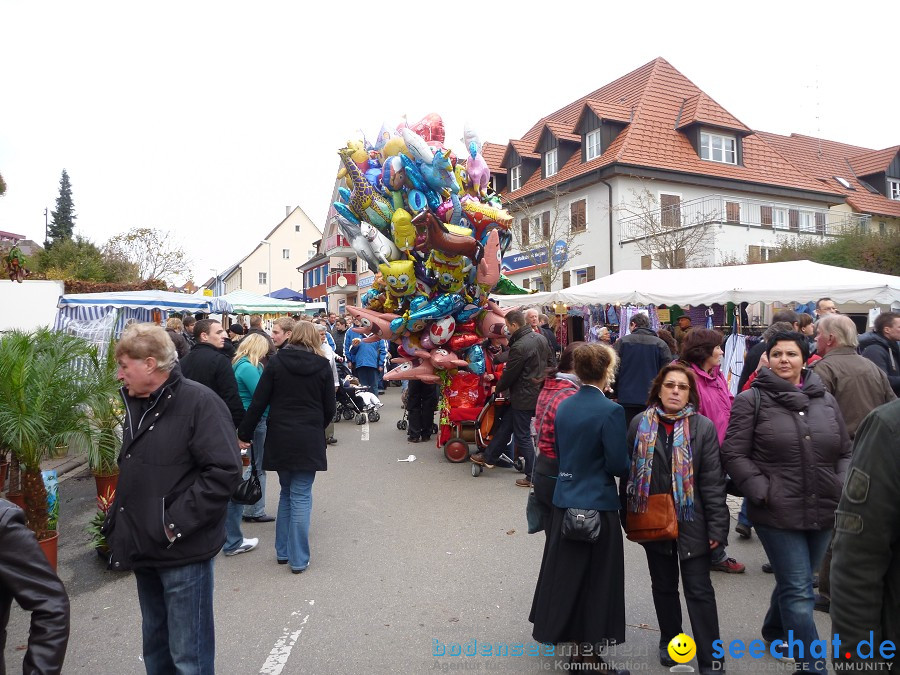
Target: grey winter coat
{"points": [[791, 466]]}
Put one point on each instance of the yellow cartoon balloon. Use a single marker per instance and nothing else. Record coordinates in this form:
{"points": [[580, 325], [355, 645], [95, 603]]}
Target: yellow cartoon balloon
{"points": [[400, 277], [682, 648]]}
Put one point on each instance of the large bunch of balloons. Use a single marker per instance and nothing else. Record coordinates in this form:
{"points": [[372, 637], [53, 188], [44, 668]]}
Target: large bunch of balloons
{"points": [[428, 222]]}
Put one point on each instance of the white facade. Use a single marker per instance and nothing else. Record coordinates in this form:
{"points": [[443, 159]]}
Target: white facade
{"points": [[273, 262], [741, 226]]}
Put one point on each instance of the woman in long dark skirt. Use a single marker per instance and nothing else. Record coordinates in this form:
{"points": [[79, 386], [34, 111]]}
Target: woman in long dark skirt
{"points": [[580, 594]]}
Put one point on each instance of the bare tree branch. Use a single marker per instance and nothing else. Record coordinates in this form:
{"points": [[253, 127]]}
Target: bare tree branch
{"points": [[671, 239], [548, 222], [154, 251]]}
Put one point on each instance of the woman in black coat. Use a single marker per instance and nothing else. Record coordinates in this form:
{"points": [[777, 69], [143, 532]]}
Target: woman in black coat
{"points": [[297, 386], [789, 460], [580, 594], [675, 450]]}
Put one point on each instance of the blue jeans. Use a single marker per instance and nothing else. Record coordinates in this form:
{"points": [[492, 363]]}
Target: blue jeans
{"points": [[515, 425], [292, 522], [795, 556], [177, 612], [233, 535], [259, 444], [368, 377], [742, 514]]}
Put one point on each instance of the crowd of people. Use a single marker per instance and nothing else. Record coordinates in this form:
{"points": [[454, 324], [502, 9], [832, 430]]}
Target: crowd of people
{"points": [[613, 436]]}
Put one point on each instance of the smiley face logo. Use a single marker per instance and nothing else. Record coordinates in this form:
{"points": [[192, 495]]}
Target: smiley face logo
{"points": [[682, 648]]}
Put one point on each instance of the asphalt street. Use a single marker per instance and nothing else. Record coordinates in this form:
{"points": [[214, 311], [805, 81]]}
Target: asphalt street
{"points": [[409, 560]]}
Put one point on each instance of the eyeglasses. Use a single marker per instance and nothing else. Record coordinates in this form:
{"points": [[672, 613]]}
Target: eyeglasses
{"points": [[680, 386]]}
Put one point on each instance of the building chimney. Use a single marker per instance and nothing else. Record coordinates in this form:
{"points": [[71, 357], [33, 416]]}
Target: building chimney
{"points": [[287, 211]]}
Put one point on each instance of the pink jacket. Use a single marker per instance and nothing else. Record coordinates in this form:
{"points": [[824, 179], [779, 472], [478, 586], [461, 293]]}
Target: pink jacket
{"points": [[715, 398]]}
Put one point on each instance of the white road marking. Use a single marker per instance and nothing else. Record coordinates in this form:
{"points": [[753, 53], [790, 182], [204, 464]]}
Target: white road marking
{"points": [[278, 657], [365, 431]]}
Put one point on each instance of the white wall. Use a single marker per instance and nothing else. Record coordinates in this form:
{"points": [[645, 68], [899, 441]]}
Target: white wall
{"points": [[28, 305]]}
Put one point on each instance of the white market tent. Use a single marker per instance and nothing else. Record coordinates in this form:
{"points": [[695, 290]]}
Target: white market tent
{"points": [[159, 300], [798, 281], [245, 302]]}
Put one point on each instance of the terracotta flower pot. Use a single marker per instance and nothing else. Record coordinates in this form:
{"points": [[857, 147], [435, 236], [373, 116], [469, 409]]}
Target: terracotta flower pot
{"points": [[106, 484], [50, 547], [17, 498]]}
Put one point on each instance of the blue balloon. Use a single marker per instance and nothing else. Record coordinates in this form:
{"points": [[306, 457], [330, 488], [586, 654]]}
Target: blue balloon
{"points": [[416, 200], [345, 211], [344, 194], [440, 307], [475, 357]]}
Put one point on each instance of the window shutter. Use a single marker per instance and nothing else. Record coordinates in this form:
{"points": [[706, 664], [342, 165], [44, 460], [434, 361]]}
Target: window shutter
{"points": [[754, 254], [680, 259], [646, 262], [578, 216], [794, 219], [525, 238], [567, 279], [670, 206], [591, 274], [765, 216], [526, 283], [732, 212], [545, 224], [820, 223]]}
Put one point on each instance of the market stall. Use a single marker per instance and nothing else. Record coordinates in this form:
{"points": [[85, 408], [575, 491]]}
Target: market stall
{"points": [[245, 302]]}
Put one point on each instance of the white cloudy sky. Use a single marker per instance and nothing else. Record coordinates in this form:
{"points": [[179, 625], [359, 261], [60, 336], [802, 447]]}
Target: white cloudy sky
{"points": [[208, 118]]}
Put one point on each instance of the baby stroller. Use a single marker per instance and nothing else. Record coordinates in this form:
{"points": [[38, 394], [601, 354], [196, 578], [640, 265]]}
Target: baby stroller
{"points": [[350, 404]]}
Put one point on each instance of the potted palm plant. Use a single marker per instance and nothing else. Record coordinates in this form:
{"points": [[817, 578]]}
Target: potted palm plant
{"points": [[42, 405], [105, 413]]}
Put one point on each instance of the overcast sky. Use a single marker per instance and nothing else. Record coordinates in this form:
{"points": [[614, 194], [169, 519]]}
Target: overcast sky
{"points": [[208, 118]]}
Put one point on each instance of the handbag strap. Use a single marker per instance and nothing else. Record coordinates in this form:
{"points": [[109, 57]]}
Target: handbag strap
{"points": [[252, 462]]}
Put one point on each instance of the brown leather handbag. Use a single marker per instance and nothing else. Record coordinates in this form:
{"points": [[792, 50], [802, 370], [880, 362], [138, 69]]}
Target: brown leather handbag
{"points": [[657, 523]]}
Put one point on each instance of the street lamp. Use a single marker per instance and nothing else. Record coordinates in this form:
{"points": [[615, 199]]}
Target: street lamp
{"points": [[269, 273], [215, 288]]}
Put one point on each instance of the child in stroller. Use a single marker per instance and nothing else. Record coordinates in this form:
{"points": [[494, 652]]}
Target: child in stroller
{"points": [[354, 400]]}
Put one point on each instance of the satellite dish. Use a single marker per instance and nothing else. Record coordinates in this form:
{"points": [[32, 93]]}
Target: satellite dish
{"points": [[342, 281]]}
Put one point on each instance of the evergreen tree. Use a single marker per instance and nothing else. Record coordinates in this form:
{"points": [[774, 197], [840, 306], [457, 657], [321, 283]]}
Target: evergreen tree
{"points": [[63, 224]]}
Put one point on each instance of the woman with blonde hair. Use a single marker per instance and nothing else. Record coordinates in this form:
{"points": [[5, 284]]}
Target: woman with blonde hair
{"points": [[580, 594], [175, 330], [248, 368], [297, 387]]}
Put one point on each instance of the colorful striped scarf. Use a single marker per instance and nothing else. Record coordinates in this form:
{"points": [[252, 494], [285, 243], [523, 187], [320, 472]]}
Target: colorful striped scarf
{"points": [[638, 487]]}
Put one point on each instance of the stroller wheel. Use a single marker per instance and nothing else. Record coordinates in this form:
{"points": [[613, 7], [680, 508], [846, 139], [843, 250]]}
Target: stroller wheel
{"points": [[456, 450], [519, 464], [348, 414], [361, 418], [401, 425], [374, 415], [337, 416], [476, 470]]}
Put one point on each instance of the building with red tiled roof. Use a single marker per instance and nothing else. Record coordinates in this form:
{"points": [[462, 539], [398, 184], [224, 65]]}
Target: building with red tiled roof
{"points": [[651, 155]]}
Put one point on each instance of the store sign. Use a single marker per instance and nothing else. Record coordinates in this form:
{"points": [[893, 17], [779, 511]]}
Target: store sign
{"points": [[365, 282], [515, 263]]}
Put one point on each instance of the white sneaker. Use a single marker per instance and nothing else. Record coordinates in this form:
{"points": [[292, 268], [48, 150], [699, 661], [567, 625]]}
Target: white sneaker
{"points": [[246, 545]]}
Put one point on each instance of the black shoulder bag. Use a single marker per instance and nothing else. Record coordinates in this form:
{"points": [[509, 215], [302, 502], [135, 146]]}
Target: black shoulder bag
{"points": [[249, 491]]}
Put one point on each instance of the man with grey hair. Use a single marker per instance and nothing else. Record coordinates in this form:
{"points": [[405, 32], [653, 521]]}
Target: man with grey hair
{"points": [[178, 467], [642, 354], [533, 317], [858, 384]]}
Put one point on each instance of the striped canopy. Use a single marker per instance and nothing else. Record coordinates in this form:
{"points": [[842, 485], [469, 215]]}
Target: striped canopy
{"points": [[245, 302], [161, 300]]}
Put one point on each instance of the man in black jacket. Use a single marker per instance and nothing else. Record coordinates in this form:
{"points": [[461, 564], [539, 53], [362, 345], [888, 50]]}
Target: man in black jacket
{"points": [[206, 364], [27, 578], [523, 376], [880, 347], [642, 354], [178, 467]]}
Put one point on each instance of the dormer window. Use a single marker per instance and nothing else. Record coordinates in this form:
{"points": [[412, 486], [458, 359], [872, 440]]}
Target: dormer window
{"points": [[551, 165], [718, 148], [894, 189], [515, 178], [592, 145]]}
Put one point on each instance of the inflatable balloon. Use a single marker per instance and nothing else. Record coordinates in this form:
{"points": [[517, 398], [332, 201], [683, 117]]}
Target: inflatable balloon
{"points": [[365, 201], [506, 287], [415, 369], [357, 153], [400, 278], [442, 359], [403, 230], [489, 268], [382, 246], [442, 330], [375, 324], [477, 168], [430, 128], [475, 359], [463, 341]]}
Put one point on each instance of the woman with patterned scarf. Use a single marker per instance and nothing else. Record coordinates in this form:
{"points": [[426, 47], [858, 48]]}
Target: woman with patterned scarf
{"points": [[676, 450]]}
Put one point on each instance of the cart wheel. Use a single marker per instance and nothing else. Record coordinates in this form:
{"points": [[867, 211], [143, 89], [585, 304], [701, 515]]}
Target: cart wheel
{"points": [[456, 450], [348, 414], [361, 418], [400, 425], [476, 470], [519, 464], [404, 425], [337, 416], [374, 415]]}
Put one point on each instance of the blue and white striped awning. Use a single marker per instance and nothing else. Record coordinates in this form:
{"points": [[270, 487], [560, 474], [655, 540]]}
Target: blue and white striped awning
{"points": [[159, 300]]}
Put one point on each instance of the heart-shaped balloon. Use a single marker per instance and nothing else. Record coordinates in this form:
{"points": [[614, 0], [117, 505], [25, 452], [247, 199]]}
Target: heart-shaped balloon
{"points": [[462, 341]]}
